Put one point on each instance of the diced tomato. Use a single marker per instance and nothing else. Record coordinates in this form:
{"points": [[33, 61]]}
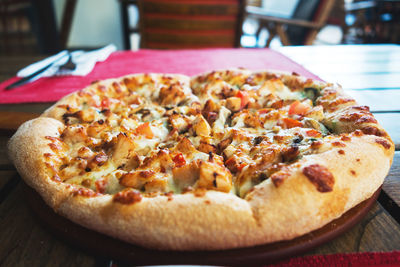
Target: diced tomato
{"points": [[290, 123], [179, 160], [264, 110], [144, 129], [105, 103], [233, 165], [298, 108], [313, 133], [244, 97], [241, 166], [101, 185]]}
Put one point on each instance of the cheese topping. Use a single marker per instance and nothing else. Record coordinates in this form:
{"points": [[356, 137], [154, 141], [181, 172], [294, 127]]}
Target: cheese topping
{"points": [[226, 131]]}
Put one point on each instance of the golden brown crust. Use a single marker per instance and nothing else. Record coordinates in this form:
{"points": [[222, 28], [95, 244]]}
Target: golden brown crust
{"points": [[297, 207], [280, 209], [26, 149]]}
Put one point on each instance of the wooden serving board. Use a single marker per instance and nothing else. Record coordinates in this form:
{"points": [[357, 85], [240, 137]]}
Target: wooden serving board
{"points": [[110, 248]]}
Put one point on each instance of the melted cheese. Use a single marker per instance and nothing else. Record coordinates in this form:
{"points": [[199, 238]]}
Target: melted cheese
{"points": [[250, 133], [219, 124]]}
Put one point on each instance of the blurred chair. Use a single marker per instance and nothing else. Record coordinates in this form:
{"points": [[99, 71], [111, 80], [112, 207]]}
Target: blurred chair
{"points": [[301, 28], [179, 24], [337, 17], [129, 29], [16, 33], [373, 21]]}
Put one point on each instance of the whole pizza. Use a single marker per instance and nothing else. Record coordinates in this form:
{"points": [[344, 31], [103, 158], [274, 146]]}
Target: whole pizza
{"points": [[225, 159]]}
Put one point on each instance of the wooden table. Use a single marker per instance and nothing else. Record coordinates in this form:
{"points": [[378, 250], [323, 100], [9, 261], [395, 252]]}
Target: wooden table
{"points": [[371, 74]]}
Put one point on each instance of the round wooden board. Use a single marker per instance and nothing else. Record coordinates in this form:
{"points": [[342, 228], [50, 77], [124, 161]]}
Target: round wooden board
{"points": [[106, 247]]}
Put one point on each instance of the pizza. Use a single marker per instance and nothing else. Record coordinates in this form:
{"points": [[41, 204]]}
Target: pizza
{"points": [[225, 159]]}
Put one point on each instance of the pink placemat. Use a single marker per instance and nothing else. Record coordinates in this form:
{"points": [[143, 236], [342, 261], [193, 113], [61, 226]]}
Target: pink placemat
{"points": [[189, 62]]}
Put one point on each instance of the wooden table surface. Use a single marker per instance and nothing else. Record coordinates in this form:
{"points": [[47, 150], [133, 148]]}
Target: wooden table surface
{"points": [[370, 73]]}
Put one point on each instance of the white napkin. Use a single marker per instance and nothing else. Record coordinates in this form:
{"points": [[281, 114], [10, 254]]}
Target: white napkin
{"points": [[84, 61]]}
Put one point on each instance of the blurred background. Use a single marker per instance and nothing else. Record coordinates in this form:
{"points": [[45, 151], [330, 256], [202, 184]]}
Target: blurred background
{"points": [[47, 26]]}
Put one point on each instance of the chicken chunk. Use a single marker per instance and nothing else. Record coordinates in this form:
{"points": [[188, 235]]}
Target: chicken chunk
{"points": [[213, 176], [201, 126], [186, 175], [123, 154]]}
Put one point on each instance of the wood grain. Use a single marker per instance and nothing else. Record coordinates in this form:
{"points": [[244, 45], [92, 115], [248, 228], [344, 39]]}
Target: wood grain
{"points": [[342, 54], [388, 99], [25, 243], [5, 177], [376, 232], [9, 65], [391, 186], [190, 9], [5, 163], [26, 107], [391, 123], [176, 24], [352, 66], [11, 120], [365, 80]]}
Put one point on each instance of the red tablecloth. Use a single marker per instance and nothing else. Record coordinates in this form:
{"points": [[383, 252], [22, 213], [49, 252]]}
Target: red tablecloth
{"points": [[376, 259], [120, 63]]}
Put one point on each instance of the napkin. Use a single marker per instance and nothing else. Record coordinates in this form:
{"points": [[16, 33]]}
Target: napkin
{"points": [[84, 61]]}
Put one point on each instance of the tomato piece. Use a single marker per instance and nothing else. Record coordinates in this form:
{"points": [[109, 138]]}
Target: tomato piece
{"points": [[313, 133], [144, 129], [241, 166], [264, 111], [233, 165], [290, 123], [298, 108], [244, 98], [179, 160], [105, 103]]}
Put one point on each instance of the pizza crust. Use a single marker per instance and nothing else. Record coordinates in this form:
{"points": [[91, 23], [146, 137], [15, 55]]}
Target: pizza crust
{"points": [[297, 207], [26, 149]]}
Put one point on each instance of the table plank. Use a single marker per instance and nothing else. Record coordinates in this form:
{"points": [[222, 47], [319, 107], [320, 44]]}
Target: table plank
{"points": [[391, 186], [382, 225], [11, 120], [352, 66], [377, 100], [375, 81], [369, 65], [343, 53], [25, 243], [26, 107], [378, 231], [5, 177], [391, 123], [5, 163], [9, 65]]}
